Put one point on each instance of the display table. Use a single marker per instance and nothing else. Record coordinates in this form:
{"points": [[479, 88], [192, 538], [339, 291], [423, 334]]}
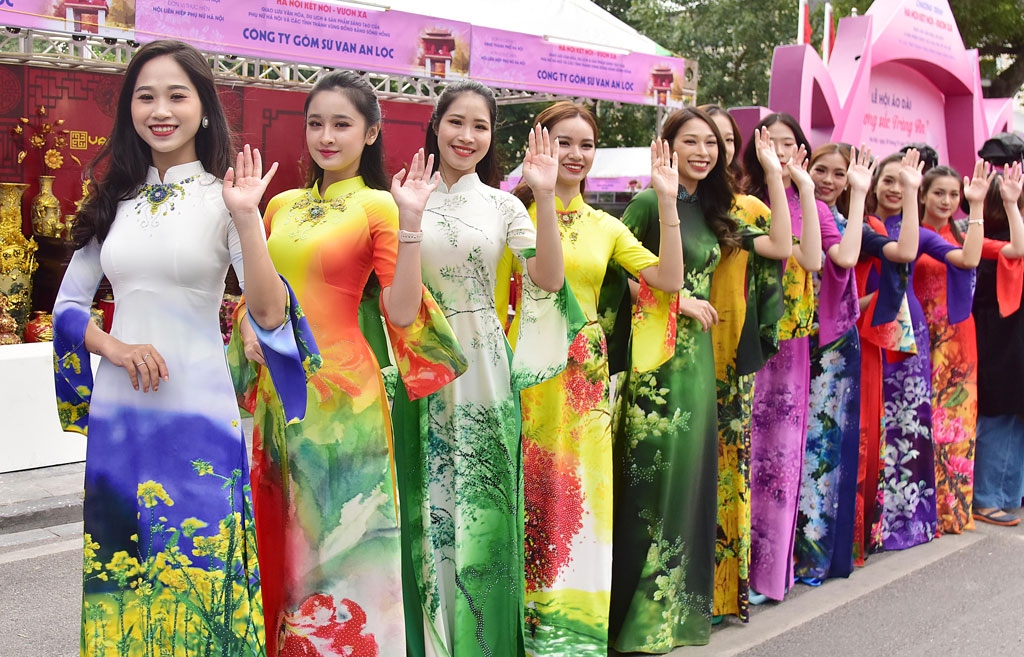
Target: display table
{"points": [[30, 434]]}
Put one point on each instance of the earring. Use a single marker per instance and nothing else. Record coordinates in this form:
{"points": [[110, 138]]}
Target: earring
{"points": [[206, 122]]}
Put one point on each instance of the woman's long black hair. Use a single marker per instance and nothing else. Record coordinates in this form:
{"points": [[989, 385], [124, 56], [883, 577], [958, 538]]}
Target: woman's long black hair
{"points": [[489, 168], [754, 182], [361, 94], [927, 181], [715, 192], [120, 168]]}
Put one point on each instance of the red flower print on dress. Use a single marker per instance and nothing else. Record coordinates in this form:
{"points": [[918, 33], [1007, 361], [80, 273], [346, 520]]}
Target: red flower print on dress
{"points": [[583, 394], [579, 350], [317, 629], [554, 513]]}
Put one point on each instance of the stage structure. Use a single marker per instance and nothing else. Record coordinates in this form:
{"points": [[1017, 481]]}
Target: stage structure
{"points": [[899, 74], [405, 55]]}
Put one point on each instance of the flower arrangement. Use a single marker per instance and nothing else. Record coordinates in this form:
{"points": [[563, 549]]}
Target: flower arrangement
{"points": [[48, 137]]}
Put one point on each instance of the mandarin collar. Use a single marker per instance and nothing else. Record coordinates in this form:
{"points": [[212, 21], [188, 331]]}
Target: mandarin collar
{"points": [[174, 174], [340, 188], [464, 184], [574, 205]]}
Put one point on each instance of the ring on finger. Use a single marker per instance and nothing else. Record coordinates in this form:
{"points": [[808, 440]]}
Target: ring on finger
{"points": [[142, 364], [144, 357]]}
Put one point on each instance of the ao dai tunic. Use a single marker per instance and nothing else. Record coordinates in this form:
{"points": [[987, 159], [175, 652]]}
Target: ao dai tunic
{"points": [[907, 482], [170, 548], [954, 387], [458, 452], [327, 518], [567, 459], [781, 402], [665, 450]]}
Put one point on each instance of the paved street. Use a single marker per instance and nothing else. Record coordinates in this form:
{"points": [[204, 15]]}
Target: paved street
{"points": [[959, 595]]}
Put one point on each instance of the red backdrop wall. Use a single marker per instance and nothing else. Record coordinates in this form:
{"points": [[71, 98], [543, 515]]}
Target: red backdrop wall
{"points": [[268, 118]]}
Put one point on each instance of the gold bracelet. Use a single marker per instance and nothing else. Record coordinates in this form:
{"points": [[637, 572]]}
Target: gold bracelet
{"points": [[663, 223], [976, 221]]}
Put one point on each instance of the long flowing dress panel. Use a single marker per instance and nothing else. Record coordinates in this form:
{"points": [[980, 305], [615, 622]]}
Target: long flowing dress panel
{"points": [[908, 512], [954, 357], [324, 489], [666, 465], [781, 400], [828, 490], [746, 292], [567, 456], [825, 515], [170, 562], [885, 327], [458, 451]]}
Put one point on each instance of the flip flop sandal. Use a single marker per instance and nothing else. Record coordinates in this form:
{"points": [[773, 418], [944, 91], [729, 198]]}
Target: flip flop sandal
{"points": [[997, 517]]}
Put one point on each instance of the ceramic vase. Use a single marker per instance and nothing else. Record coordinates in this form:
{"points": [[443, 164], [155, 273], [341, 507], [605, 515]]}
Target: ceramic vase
{"points": [[46, 213]]}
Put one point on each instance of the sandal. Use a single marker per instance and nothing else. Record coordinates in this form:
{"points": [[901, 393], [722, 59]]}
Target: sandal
{"points": [[997, 517]]}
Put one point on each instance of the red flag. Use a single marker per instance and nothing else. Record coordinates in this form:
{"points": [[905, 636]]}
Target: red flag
{"points": [[805, 18]]}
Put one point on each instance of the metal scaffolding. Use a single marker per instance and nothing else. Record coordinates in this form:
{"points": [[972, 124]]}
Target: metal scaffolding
{"points": [[110, 55]]}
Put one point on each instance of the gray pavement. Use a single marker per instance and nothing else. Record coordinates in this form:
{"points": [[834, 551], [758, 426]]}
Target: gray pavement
{"points": [[958, 595]]}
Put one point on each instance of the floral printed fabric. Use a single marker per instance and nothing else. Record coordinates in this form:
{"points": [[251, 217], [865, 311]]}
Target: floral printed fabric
{"points": [[779, 432], [458, 451], [567, 461], [665, 449], [907, 489], [954, 358], [886, 328], [170, 553], [746, 290], [828, 488], [324, 488]]}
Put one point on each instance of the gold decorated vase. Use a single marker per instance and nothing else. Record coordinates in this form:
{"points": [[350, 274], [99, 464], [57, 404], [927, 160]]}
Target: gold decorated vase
{"points": [[46, 213], [17, 255]]}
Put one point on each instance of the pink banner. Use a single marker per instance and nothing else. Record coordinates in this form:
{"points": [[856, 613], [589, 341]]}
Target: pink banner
{"points": [[322, 32], [535, 63], [335, 34]]}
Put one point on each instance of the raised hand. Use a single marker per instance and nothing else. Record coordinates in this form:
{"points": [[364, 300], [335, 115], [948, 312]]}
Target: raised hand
{"points": [[797, 168], [1011, 182], [910, 171], [412, 190], [861, 169], [976, 187], [245, 182], [664, 168], [766, 154], [540, 166]]}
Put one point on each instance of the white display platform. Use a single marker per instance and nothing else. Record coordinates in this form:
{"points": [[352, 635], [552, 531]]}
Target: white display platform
{"points": [[30, 433]]}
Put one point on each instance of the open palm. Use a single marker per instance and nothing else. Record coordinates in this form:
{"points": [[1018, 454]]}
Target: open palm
{"points": [[664, 168], [540, 166], [245, 183], [412, 191]]}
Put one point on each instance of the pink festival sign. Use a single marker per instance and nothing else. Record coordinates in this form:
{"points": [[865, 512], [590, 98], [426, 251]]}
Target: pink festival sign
{"points": [[342, 35], [898, 74]]}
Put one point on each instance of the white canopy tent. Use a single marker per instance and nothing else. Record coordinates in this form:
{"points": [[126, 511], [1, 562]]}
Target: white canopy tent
{"points": [[614, 170], [578, 21]]}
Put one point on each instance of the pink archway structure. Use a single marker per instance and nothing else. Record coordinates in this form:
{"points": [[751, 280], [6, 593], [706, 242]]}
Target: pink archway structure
{"points": [[898, 74]]}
